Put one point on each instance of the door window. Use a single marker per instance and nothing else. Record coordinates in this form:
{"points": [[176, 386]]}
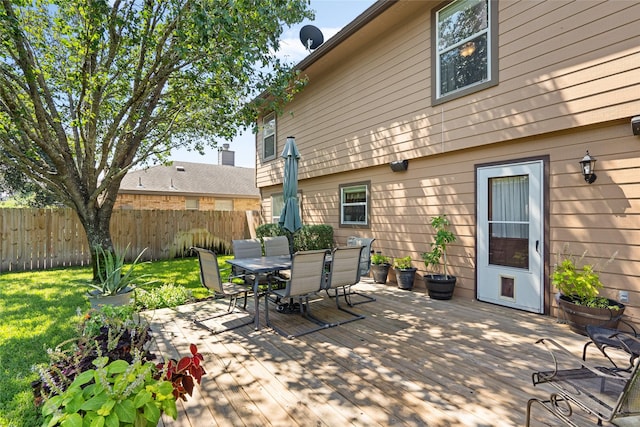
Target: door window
{"points": [[509, 221]]}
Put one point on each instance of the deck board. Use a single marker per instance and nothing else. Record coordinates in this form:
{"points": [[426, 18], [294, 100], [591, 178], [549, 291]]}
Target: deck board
{"points": [[412, 361]]}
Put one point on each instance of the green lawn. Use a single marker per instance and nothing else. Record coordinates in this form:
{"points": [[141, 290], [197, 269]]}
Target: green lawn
{"points": [[39, 310]]}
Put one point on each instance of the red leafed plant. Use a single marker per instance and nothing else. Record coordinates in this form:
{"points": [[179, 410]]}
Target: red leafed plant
{"points": [[182, 373]]}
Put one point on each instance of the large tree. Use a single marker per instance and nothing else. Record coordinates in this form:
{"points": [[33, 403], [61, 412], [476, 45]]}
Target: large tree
{"points": [[91, 88]]}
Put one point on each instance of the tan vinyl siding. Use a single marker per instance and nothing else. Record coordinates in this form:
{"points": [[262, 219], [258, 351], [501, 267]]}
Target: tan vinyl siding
{"points": [[602, 217], [569, 74], [372, 105]]}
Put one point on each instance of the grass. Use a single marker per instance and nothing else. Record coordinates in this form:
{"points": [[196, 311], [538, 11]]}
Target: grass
{"points": [[39, 310]]}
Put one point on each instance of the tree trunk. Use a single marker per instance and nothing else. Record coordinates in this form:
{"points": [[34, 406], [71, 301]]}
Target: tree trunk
{"points": [[96, 225]]}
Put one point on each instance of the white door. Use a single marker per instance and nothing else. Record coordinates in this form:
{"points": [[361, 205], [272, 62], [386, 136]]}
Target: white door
{"points": [[510, 235]]}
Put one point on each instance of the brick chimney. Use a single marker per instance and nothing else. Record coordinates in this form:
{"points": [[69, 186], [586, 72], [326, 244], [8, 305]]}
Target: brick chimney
{"points": [[226, 156]]}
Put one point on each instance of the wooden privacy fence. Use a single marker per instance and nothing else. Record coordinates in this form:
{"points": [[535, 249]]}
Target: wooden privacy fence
{"points": [[35, 239]]}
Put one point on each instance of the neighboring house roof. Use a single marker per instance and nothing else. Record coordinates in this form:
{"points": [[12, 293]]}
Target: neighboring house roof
{"points": [[194, 179]]}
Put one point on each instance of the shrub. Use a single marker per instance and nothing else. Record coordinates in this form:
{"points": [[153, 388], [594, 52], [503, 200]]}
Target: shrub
{"points": [[309, 237], [169, 295]]}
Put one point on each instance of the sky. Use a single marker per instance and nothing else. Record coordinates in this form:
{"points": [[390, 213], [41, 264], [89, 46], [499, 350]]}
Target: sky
{"points": [[331, 16]]}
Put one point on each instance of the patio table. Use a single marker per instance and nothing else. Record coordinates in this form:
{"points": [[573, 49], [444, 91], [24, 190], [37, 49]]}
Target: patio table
{"points": [[257, 267]]}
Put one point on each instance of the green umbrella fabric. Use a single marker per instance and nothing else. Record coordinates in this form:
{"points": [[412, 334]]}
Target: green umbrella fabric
{"points": [[290, 215]]}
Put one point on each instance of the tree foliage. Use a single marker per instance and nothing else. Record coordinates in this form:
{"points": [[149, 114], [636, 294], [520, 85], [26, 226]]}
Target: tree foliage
{"points": [[91, 88]]}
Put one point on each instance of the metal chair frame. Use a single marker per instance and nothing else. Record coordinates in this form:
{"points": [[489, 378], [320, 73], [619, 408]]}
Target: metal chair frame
{"points": [[364, 266], [344, 273], [211, 279], [602, 391], [307, 279], [607, 338]]}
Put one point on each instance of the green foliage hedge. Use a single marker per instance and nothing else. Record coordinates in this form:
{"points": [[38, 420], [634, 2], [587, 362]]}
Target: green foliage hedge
{"points": [[309, 237]]}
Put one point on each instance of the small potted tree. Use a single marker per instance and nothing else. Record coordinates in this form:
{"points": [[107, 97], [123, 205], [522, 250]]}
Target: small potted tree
{"points": [[580, 298], [405, 273], [440, 285], [380, 265]]}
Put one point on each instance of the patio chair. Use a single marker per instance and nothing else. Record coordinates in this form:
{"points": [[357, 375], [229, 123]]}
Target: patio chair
{"points": [[602, 391], [307, 279], [606, 339], [247, 248], [365, 267], [274, 246], [278, 245], [210, 278], [344, 273]]}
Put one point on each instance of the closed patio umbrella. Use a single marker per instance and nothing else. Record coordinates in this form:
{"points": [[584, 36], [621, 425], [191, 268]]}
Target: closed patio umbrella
{"points": [[290, 215]]}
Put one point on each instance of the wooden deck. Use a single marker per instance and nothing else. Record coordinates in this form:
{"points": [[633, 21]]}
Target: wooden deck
{"points": [[412, 361]]}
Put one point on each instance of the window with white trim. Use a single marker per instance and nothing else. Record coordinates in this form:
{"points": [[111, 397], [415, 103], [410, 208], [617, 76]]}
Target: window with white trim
{"points": [[269, 137], [354, 204], [465, 48], [277, 204]]}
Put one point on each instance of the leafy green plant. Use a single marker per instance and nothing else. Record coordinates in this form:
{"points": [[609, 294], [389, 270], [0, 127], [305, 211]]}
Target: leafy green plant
{"points": [[112, 332], [438, 254], [581, 284], [379, 259], [403, 263], [114, 276], [169, 295], [118, 393]]}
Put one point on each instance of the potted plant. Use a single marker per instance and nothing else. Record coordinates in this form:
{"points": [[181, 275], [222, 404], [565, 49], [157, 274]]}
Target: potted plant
{"points": [[439, 285], [116, 281], [122, 393], [380, 265], [405, 273], [580, 298]]}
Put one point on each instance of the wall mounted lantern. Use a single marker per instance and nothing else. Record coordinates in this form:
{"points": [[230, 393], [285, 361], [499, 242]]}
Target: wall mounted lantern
{"points": [[588, 165]]}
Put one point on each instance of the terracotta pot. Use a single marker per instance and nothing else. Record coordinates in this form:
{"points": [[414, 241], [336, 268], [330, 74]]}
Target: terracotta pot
{"points": [[440, 286], [580, 316]]}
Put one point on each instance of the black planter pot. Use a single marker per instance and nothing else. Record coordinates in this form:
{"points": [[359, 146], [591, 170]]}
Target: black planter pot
{"points": [[440, 286], [405, 278], [380, 272], [578, 317]]}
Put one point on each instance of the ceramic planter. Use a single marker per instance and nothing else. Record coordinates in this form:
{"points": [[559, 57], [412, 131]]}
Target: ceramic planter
{"points": [[405, 278], [579, 316], [440, 286]]}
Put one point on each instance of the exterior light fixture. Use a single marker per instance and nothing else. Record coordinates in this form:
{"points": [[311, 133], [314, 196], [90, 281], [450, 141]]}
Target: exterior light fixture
{"points": [[588, 165], [467, 49], [399, 165]]}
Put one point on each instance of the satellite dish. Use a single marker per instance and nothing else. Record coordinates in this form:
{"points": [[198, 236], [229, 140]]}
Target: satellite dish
{"points": [[311, 37]]}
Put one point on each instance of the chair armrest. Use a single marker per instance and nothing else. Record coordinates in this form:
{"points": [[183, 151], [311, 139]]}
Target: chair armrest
{"points": [[556, 350]]}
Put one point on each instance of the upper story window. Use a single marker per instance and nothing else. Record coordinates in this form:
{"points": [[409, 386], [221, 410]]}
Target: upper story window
{"points": [[269, 137], [464, 34], [354, 204]]}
